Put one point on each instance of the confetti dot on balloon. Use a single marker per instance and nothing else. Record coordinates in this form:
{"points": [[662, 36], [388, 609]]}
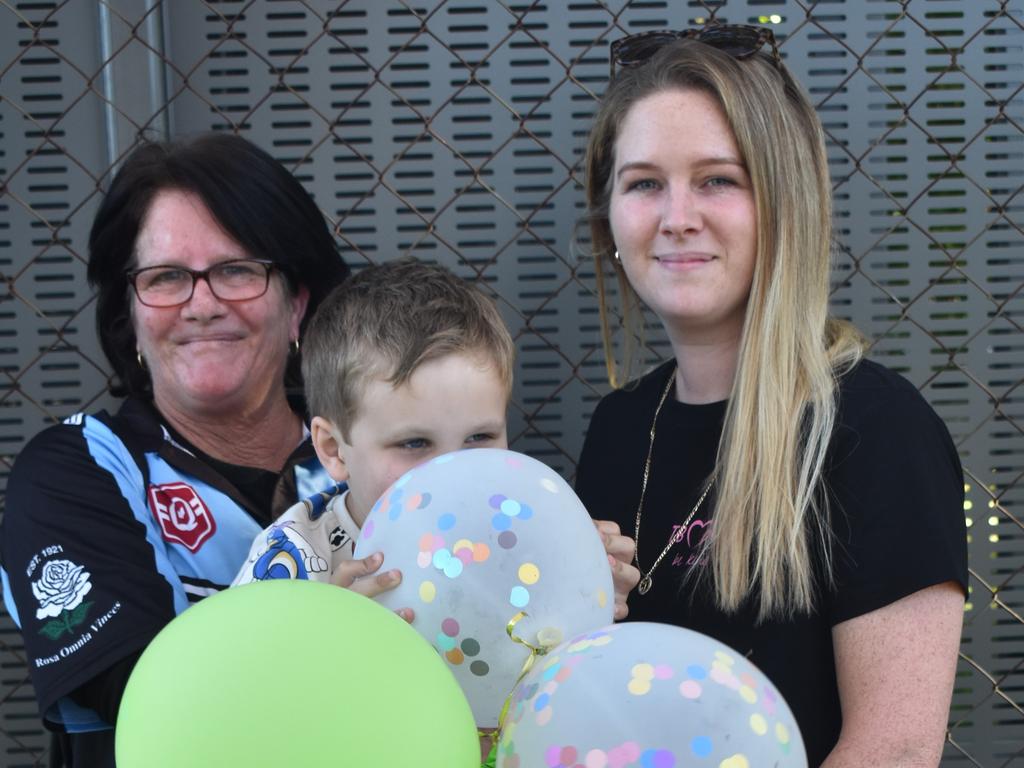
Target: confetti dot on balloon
{"points": [[657, 758], [544, 716], [428, 592], [441, 557], [690, 689], [601, 640], [631, 750], [446, 521], [510, 507], [541, 702], [426, 542], [723, 657], [758, 724], [507, 539], [465, 556], [550, 672], [368, 529], [413, 502], [495, 500], [595, 759], [453, 568], [768, 701], [643, 671], [525, 512], [529, 573], [553, 756], [602, 598], [450, 627], [519, 597], [470, 647], [663, 672], [550, 486], [736, 761], [424, 559], [748, 680], [455, 656], [481, 552], [696, 671], [638, 686], [701, 746], [782, 733], [568, 756], [550, 688], [720, 674], [513, 462], [479, 668], [748, 694], [563, 674], [501, 522], [444, 642]]}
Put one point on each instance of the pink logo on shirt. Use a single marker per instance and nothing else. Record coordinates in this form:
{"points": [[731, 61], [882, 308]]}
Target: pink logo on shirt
{"points": [[183, 517]]}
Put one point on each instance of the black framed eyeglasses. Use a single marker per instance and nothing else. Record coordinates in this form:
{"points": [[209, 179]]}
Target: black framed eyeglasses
{"points": [[741, 41], [168, 285]]}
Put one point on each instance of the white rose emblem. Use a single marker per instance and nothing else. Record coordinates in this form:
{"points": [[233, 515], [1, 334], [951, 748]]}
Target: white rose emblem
{"points": [[61, 587]]}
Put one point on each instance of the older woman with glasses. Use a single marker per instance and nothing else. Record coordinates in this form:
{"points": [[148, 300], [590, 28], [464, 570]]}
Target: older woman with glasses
{"points": [[786, 496], [207, 257]]}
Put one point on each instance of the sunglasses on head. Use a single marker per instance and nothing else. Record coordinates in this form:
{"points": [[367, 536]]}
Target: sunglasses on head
{"points": [[738, 40]]}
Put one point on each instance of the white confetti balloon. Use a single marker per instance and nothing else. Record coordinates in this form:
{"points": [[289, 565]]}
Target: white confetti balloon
{"points": [[483, 538], [648, 695]]}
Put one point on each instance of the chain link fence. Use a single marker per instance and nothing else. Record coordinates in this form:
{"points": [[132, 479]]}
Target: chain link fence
{"points": [[453, 130]]}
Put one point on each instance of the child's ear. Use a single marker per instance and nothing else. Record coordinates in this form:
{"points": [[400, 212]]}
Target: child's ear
{"points": [[327, 443]]}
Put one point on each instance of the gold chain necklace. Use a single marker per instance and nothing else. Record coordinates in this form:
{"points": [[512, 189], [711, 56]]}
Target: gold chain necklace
{"points": [[647, 581]]}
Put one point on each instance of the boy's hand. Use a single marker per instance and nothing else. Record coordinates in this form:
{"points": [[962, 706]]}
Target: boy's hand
{"points": [[357, 575], [620, 550]]}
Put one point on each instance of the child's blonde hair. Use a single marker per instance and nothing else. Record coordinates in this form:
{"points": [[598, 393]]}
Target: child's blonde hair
{"points": [[388, 320]]}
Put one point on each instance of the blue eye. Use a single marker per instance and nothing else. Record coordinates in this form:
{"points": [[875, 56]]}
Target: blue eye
{"points": [[415, 444], [161, 278], [643, 185]]}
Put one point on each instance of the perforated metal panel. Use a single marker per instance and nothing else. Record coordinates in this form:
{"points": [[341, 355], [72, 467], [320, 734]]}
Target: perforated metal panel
{"points": [[454, 130]]}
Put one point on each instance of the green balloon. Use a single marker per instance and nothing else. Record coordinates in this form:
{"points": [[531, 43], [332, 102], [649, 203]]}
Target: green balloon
{"points": [[293, 673]]}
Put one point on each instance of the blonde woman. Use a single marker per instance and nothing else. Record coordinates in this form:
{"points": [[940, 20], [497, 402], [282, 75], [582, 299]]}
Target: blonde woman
{"points": [[788, 497]]}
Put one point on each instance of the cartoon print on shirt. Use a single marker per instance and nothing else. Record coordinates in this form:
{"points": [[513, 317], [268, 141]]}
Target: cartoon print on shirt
{"points": [[60, 592], [284, 559], [338, 538]]}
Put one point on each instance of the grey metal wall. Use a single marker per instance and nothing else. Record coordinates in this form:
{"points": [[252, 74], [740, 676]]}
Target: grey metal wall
{"points": [[453, 131]]}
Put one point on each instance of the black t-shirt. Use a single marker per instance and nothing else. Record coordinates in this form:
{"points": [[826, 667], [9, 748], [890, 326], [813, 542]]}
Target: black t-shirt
{"points": [[896, 489]]}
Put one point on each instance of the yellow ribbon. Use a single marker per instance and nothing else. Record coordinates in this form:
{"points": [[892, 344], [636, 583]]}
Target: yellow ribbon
{"points": [[535, 651]]}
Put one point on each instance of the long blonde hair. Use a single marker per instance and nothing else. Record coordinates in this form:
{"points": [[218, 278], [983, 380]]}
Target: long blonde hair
{"points": [[771, 511]]}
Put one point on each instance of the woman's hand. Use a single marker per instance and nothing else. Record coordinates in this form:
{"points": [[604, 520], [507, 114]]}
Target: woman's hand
{"points": [[625, 575], [358, 575]]}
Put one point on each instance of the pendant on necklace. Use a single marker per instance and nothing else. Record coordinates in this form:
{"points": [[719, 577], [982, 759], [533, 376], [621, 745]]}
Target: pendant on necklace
{"points": [[645, 584]]}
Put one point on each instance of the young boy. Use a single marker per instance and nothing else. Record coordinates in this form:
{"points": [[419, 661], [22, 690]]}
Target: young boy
{"points": [[401, 363]]}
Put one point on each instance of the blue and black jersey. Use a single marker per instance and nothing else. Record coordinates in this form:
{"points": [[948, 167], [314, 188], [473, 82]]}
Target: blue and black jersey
{"points": [[112, 528]]}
